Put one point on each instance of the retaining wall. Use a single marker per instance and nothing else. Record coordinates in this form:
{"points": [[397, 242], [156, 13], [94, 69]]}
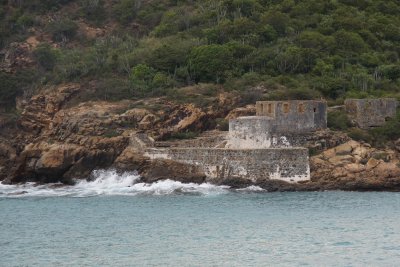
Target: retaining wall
{"points": [[287, 164]]}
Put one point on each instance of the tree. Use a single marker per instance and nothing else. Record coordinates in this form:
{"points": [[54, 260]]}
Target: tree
{"points": [[210, 62]]}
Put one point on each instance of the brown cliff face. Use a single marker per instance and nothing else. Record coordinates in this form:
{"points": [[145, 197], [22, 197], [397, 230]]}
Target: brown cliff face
{"points": [[56, 141]]}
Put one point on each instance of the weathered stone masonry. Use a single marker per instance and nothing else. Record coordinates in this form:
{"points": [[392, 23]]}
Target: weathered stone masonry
{"points": [[259, 147], [278, 124], [288, 164], [371, 112], [294, 116]]}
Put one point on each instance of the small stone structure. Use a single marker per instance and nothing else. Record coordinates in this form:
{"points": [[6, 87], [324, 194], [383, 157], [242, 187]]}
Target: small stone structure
{"points": [[294, 116], [257, 148], [368, 113], [278, 124]]}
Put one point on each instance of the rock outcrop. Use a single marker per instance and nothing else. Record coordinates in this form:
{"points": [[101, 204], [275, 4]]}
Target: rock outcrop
{"points": [[356, 166], [57, 140]]}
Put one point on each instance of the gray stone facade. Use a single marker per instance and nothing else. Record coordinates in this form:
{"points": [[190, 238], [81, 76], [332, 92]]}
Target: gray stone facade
{"points": [[294, 116], [366, 113], [278, 124]]}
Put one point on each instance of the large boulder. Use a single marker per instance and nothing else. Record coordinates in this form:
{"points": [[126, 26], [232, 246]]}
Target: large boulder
{"points": [[64, 162]]}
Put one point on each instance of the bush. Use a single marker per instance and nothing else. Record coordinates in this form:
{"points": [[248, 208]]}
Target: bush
{"points": [[113, 89], [45, 56], [389, 131], [62, 30], [25, 21], [338, 120], [126, 10], [93, 10], [13, 85], [184, 135], [8, 90], [359, 135], [222, 124]]}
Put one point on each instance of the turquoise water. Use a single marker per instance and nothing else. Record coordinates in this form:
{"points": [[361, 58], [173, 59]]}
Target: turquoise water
{"points": [[196, 226]]}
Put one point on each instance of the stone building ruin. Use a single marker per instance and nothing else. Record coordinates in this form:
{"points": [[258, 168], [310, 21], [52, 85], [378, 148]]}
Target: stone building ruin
{"points": [[366, 113], [294, 116], [278, 124], [258, 148]]}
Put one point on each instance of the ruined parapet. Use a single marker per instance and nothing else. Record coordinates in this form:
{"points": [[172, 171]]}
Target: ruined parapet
{"points": [[294, 116], [256, 165], [371, 112]]}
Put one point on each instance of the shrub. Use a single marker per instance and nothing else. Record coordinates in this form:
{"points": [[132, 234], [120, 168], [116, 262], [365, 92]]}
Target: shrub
{"points": [[338, 120], [184, 135], [8, 90], [222, 124], [162, 81], [93, 10], [389, 131], [126, 10], [13, 85], [359, 135], [25, 21], [62, 30], [45, 56], [113, 89], [141, 78]]}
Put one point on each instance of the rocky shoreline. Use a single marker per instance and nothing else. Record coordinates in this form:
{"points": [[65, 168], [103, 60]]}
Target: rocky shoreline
{"points": [[55, 140]]}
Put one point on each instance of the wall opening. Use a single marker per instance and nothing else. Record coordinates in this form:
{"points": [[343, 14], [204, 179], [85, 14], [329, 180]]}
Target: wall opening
{"points": [[286, 107], [315, 110], [301, 108], [269, 110]]}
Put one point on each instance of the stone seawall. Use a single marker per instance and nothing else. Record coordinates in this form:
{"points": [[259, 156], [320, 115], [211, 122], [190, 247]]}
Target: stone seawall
{"points": [[286, 164]]}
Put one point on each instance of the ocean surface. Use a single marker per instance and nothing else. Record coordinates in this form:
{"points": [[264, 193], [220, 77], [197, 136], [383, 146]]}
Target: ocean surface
{"points": [[116, 221]]}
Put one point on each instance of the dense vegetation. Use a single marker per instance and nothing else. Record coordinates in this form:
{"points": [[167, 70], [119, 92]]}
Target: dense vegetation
{"points": [[293, 48]]}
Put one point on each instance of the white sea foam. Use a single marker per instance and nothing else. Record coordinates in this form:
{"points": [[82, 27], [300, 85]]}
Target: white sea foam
{"points": [[252, 188], [110, 183]]}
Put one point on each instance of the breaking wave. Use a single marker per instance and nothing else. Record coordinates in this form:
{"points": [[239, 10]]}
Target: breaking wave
{"points": [[110, 183]]}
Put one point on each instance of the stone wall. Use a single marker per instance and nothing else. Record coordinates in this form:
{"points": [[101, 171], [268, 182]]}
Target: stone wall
{"points": [[262, 132], [254, 132], [371, 112], [294, 116], [287, 164]]}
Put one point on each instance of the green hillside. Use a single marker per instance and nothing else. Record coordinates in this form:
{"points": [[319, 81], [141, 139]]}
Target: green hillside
{"points": [[264, 49]]}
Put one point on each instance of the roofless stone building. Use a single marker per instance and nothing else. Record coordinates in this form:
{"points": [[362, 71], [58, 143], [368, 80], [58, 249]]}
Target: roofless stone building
{"points": [[368, 113], [278, 124], [258, 148]]}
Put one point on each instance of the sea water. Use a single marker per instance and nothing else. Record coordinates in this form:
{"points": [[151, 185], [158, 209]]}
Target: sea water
{"points": [[116, 221]]}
